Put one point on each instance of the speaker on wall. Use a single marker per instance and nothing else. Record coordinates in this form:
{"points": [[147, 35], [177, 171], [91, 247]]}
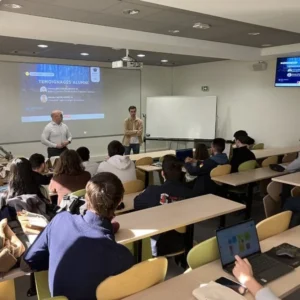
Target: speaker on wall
{"points": [[260, 66]]}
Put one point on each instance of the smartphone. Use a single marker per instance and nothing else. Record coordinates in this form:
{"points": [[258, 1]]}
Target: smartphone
{"points": [[232, 285]]}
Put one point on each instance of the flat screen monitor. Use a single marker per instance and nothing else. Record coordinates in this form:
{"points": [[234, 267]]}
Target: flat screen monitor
{"points": [[288, 72]]}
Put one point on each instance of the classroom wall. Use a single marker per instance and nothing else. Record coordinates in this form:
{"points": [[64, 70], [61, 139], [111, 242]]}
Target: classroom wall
{"points": [[155, 81], [246, 100]]}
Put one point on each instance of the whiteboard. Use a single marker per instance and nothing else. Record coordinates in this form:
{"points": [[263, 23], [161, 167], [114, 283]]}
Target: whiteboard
{"points": [[181, 117]]}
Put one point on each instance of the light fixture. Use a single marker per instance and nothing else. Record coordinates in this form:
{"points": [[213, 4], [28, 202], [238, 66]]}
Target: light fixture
{"points": [[266, 45], [13, 6], [141, 55], [84, 54], [43, 46], [131, 12], [174, 31], [164, 61], [254, 33], [201, 26]]}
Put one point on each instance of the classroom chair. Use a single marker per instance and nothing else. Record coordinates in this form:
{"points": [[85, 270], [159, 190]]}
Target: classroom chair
{"points": [[269, 161], [134, 186], [80, 193], [274, 225], [45, 192], [134, 280], [289, 157], [220, 170], [7, 290], [247, 165], [295, 192], [274, 190], [203, 253], [271, 207], [259, 146], [145, 161]]}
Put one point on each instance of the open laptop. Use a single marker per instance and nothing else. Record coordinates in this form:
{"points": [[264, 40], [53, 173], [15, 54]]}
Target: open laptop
{"points": [[242, 240], [184, 153]]}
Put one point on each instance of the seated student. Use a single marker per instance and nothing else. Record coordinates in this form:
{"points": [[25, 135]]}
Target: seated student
{"points": [[80, 251], [241, 153], [203, 183], [173, 189], [294, 166], [89, 166], [69, 175], [38, 166], [250, 141], [117, 163]]}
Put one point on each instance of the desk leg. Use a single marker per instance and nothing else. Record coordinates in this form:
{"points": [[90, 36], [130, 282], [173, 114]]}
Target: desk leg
{"points": [[189, 239], [222, 221], [146, 179], [249, 200], [32, 290], [138, 250]]}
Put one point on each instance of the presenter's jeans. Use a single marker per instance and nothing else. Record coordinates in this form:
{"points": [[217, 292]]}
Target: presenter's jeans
{"points": [[135, 148], [55, 151]]}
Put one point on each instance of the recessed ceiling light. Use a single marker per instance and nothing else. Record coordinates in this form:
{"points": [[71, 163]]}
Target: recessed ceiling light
{"points": [[43, 46], [266, 45], [131, 11], [201, 26], [13, 6], [164, 61], [84, 54], [174, 31], [141, 55], [254, 33]]}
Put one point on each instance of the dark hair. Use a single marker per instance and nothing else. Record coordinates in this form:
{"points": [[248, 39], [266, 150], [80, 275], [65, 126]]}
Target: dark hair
{"points": [[219, 144], [201, 152], [243, 139], [240, 133], [36, 160], [69, 163], [21, 179], [131, 107], [251, 141], [104, 193], [115, 148], [84, 153], [172, 168]]}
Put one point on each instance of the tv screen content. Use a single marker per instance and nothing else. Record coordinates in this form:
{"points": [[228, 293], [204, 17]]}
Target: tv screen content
{"points": [[288, 72]]}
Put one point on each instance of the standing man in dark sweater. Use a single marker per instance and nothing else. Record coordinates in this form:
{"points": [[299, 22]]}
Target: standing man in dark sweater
{"points": [[241, 153], [80, 251], [172, 190]]}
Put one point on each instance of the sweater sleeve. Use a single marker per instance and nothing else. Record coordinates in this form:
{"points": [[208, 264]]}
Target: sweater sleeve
{"points": [[146, 199], [265, 294], [294, 165]]}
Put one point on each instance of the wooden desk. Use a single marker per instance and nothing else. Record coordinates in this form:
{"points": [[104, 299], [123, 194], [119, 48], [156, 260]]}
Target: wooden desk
{"points": [[248, 177], [128, 202], [154, 155], [263, 153], [148, 169], [181, 287], [291, 179]]}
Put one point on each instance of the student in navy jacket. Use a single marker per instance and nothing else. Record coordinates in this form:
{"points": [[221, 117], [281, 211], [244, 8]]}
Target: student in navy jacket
{"points": [[172, 190], [203, 183], [80, 251]]}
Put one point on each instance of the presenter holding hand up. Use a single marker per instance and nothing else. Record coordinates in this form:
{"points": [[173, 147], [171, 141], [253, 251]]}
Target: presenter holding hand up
{"points": [[56, 135], [133, 132]]}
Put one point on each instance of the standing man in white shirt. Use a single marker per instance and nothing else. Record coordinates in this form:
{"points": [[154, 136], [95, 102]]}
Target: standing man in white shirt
{"points": [[133, 132], [56, 135]]}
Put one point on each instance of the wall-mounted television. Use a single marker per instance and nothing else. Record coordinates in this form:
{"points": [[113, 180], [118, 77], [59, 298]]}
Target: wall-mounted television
{"points": [[288, 72]]}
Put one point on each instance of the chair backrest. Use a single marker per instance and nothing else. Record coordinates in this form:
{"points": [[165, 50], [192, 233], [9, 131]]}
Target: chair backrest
{"points": [[57, 298], [220, 170], [145, 161], [259, 146], [134, 280], [203, 253], [289, 157], [295, 192], [247, 165], [269, 161], [134, 186], [274, 225], [274, 190], [45, 192], [80, 193], [271, 207]]}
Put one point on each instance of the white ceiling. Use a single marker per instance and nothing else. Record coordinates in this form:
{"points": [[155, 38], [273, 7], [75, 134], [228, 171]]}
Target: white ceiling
{"points": [[280, 14]]}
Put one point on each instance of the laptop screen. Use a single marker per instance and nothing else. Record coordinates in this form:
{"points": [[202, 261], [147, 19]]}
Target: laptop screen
{"points": [[184, 153], [240, 239]]}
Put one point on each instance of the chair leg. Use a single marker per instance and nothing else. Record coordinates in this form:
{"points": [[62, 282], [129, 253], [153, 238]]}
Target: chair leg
{"points": [[7, 290], [32, 290]]}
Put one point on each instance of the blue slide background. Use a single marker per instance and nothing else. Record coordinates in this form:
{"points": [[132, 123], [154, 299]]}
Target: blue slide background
{"points": [[76, 90], [288, 72]]}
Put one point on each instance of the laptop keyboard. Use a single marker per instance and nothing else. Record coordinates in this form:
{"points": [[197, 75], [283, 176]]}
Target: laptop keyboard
{"points": [[262, 263]]}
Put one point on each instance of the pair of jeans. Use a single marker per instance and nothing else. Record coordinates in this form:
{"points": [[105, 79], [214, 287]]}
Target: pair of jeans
{"points": [[135, 148], [55, 151]]}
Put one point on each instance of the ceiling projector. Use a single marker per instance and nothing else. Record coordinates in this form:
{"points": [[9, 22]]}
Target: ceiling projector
{"points": [[127, 62]]}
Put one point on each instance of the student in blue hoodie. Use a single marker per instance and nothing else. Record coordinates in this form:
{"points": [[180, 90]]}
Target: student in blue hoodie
{"points": [[203, 183], [172, 190]]}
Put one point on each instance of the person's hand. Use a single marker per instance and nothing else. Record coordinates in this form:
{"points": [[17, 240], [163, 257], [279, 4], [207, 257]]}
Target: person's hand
{"points": [[188, 160], [65, 144], [59, 146], [242, 270]]}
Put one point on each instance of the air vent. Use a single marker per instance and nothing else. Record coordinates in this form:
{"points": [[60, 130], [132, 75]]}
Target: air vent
{"points": [[23, 52]]}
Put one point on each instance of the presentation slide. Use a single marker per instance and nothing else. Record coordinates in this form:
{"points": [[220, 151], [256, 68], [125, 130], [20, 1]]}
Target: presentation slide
{"points": [[288, 72], [76, 90]]}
